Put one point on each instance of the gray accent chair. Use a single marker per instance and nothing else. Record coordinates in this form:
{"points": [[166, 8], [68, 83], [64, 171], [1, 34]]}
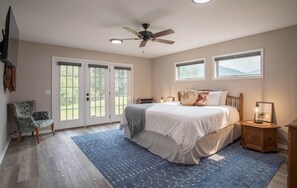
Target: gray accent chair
{"points": [[28, 120]]}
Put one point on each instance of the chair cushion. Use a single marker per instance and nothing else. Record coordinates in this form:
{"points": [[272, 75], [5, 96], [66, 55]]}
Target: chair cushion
{"points": [[44, 123]]}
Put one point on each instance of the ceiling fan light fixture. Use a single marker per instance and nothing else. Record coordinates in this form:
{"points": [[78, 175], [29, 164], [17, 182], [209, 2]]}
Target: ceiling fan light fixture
{"points": [[200, 1], [116, 41]]}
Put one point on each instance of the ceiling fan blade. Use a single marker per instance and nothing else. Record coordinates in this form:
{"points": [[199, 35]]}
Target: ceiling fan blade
{"points": [[164, 41], [131, 39], [143, 43], [131, 30], [162, 33]]}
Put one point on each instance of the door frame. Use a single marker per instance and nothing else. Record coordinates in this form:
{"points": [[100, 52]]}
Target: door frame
{"points": [[55, 80]]}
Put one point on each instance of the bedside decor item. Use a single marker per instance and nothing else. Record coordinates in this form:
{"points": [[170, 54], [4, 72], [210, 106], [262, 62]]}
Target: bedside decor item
{"points": [[145, 100], [256, 117], [170, 99], [263, 112], [260, 137]]}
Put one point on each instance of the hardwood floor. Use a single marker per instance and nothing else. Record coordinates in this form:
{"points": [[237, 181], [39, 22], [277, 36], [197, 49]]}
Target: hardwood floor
{"points": [[58, 162]]}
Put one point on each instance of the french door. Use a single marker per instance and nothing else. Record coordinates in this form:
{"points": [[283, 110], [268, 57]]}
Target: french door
{"points": [[88, 92]]}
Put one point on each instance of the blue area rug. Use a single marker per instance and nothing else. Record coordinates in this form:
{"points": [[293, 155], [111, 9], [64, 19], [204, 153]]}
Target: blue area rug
{"points": [[125, 164]]}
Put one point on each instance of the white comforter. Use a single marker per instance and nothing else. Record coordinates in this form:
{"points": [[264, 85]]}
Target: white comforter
{"points": [[187, 124]]}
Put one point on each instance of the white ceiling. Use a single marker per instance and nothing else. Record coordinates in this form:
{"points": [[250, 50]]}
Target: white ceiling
{"points": [[90, 24]]}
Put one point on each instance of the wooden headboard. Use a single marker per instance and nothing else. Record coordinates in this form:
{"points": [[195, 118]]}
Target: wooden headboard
{"points": [[235, 101]]}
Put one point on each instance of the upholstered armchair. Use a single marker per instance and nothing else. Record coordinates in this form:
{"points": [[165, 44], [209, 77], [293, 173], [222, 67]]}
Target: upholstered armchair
{"points": [[27, 120]]}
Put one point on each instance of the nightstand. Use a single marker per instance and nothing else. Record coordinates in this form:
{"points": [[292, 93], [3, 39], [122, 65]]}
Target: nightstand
{"points": [[260, 137]]}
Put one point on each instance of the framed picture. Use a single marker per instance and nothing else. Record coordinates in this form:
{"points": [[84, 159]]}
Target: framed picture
{"points": [[170, 99], [263, 111]]}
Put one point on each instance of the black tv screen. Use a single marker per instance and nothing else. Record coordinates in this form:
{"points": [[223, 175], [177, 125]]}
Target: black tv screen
{"points": [[10, 42]]}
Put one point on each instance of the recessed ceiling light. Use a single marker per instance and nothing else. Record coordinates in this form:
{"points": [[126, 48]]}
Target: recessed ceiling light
{"points": [[201, 1], [116, 41]]}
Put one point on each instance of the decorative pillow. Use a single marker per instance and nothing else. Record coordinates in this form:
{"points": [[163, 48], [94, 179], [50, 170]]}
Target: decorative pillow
{"points": [[189, 98], [223, 97], [213, 98], [202, 99]]}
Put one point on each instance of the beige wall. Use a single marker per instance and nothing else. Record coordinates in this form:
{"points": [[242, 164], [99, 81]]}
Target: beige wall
{"points": [[34, 71], [278, 85]]}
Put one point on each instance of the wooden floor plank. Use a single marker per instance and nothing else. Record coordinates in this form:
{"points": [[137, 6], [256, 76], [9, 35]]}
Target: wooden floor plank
{"points": [[58, 162]]}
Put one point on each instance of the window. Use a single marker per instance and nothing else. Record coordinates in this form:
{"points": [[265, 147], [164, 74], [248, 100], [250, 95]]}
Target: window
{"points": [[97, 93], [190, 70], [69, 90], [121, 84], [247, 64]]}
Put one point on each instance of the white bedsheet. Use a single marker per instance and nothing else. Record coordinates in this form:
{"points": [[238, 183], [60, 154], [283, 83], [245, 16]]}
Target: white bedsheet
{"points": [[187, 124]]}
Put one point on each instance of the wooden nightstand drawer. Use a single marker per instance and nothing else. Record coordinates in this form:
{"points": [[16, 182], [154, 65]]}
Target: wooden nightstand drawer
{"points": [[270, 139], [253, 137], [261, 137]]}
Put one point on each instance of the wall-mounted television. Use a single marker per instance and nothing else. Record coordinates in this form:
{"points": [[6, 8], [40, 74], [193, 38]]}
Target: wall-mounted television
{"points": [[9, 44]]}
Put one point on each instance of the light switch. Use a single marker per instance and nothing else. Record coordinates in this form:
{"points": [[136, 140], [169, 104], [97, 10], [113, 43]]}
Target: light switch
{"points": [[48, 92]]}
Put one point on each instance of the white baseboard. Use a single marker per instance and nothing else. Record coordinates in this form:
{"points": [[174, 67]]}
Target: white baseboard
{"points": [[2, 154]]}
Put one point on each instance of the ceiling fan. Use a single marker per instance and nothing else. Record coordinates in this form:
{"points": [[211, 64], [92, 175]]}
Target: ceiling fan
{"points": [[146, 36]]}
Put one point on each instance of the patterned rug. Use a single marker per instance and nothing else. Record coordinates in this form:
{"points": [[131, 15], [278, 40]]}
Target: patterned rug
{"points": [[125, 164]]}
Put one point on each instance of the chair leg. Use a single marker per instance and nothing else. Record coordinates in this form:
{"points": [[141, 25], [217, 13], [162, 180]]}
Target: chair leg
{"points": [[37, 135], [53, 129], [20, 136]]}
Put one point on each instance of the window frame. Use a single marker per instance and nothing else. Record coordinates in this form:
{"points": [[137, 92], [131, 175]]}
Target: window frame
{"points": [[215, 75], [190, 79]]}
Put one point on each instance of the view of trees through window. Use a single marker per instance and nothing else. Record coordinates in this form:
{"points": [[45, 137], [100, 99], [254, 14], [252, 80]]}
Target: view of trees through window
{"points": [[97, 92], [69, 92], [121, 90]]}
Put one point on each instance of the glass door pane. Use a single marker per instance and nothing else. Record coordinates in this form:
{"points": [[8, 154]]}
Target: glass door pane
{"points": [[69, 93], [121, 91], [97, 94]]}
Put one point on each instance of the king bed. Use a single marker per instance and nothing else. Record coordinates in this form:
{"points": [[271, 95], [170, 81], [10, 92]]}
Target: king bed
{"points": [[185, 134]]}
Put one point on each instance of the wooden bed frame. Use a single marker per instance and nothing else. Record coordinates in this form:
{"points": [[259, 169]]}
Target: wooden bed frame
{"points": [[234, 101]]}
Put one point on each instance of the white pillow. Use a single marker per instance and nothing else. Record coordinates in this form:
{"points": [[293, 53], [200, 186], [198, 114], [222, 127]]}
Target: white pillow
{"points": [[213, 98], [223, 97]]}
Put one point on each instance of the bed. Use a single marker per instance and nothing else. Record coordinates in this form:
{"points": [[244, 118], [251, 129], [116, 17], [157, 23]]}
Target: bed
{"points": [[185, 134]]}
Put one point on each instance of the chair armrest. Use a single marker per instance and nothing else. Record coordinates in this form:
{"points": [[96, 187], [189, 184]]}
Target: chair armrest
{"points": [[25, 123], [40, 115]]}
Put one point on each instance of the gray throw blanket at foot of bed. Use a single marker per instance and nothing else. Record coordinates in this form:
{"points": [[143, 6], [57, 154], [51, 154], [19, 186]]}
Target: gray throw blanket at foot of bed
{"points": [[135, 115]]}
